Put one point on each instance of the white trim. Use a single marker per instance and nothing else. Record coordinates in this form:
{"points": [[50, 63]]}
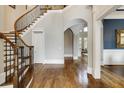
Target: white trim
{"points": [[54, 11], [96, 73], [7, 86], [54, 61], [2, 77], [29, 83], [42, 62], [89, 70], [68, 55], [75, 57]]}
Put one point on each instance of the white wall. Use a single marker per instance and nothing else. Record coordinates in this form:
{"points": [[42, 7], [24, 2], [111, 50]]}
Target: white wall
{"points": [[52, 26], [54, 37], [113, 57]]}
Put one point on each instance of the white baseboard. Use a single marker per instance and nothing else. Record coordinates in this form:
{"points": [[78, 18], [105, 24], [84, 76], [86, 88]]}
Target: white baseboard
{"points": [[53, 61], [113, 63], [68, 55], [8, 86], [2, 78], [41, 61], [113, 57], [75, 57], [89, 70]]}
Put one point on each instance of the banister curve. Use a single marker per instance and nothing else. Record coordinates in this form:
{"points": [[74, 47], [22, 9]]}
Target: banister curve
{"points": [[23, 16], [15, 24]]}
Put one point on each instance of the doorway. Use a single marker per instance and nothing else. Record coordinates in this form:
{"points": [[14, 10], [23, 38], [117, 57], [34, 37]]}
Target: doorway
{"points": [[39, 46], [68, 43]]}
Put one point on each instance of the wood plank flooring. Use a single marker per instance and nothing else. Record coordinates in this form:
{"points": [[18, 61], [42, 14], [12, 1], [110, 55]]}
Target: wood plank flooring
{"points": [[113, 76], [73, 74], [70, 75]]}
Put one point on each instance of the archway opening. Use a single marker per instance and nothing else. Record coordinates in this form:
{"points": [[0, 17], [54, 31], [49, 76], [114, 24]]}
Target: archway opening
{"points": [[68, 43], [79, 28]]}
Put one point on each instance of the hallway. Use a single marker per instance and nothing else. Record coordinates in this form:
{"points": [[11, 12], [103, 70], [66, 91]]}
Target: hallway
{"points": [[71, 75]]}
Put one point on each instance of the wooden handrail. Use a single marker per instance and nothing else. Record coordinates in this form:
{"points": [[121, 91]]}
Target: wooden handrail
{"points": [[17, 34], [2, 36], [22, 17]]}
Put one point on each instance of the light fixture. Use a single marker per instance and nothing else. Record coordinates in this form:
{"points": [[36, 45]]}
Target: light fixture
{"points": [[85, 29]]}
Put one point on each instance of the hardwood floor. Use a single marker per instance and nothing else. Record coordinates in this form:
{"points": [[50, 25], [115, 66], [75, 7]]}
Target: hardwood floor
{"points": [[72, 74], [113, 76]]}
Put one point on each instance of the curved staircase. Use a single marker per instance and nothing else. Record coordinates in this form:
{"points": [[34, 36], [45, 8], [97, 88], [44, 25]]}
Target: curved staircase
{"points": [[18, 57]]}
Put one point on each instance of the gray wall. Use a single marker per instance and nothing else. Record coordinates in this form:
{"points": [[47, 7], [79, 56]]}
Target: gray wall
{"points": [[68, 43]]}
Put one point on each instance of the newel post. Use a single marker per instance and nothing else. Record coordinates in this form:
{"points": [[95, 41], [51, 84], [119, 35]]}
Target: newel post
{"points": [[31, 56], [16, 75]]}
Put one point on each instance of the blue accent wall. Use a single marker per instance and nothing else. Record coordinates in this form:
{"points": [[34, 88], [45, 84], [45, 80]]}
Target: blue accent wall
{"points": [[109, 28]]}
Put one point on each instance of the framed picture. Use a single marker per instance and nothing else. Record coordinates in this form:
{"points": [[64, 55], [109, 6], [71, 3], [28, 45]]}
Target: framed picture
{"points": [[13, 6], [120, 38]]}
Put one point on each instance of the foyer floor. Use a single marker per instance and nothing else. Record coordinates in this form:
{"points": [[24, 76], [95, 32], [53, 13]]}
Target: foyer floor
{"points": [[73, 74]]}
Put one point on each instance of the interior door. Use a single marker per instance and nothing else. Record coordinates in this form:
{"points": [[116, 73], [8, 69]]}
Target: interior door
{"points": [[38, 42]]}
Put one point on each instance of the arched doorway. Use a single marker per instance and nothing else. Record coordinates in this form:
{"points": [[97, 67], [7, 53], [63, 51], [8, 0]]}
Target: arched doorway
{"points": [[68, 43], [79, 28]]}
